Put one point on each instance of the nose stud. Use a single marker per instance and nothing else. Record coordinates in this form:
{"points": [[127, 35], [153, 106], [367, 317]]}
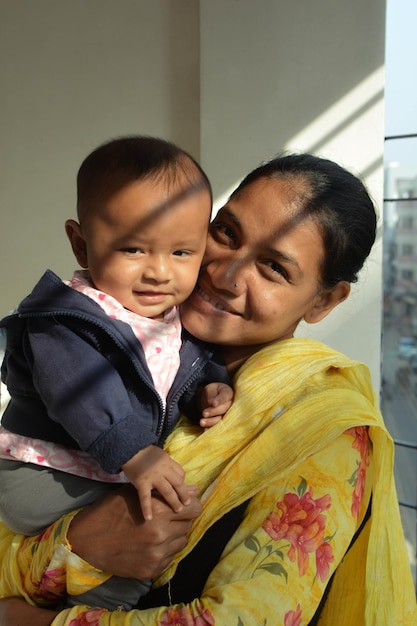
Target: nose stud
{"points": [[235, 285]]}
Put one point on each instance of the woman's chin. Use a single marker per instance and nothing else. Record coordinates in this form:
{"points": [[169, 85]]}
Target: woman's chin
{"points": [[201, 319], [196, 324]]}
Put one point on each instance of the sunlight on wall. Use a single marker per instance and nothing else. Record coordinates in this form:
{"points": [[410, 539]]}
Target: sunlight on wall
{"points": [[354, 120], [333, 132]]}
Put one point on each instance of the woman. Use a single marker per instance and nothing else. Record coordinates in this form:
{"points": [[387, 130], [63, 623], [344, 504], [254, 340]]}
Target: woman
{"points": [[300, 516]]}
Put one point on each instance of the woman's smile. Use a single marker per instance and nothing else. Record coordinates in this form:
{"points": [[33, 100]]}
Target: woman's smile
{"points": [[217, 302]]}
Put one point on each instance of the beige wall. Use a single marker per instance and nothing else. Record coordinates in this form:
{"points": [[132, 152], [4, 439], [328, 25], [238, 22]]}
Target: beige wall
{"points": [[273, 75], [301, 76], [74, 73]]}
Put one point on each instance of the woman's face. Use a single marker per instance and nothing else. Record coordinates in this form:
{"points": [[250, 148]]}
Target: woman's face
{"points": [[260, 273]]}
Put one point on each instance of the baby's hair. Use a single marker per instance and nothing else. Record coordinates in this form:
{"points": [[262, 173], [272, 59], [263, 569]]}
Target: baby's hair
{"points": [[122, 161]]}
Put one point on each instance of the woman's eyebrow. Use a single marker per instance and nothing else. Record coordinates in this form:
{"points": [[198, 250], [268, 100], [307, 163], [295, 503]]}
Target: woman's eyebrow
{"points": [[286, 258], [233, 218]]}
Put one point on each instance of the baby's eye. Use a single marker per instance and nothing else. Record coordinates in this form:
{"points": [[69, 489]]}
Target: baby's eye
{"points": [[132, 250], [182, 253]]}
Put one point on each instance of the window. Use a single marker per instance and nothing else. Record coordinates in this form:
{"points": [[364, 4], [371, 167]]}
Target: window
{"points": [[407, 222], [407, 274], [399, 341], [407, 249]]}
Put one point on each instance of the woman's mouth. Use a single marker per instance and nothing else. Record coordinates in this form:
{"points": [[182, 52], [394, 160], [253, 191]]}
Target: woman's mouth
{"points": [[218, 304]]}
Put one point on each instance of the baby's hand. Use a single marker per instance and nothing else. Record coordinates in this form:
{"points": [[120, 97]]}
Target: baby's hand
{"points": [[215, 400], [152, 468]]}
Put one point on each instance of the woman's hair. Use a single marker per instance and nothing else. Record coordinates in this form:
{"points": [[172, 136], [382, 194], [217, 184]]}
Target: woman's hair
{"points": [[338, 202], [120, 162]]}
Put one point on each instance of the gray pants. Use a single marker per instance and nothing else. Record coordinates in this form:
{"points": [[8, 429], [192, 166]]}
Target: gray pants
{"points": [[33, 497]]}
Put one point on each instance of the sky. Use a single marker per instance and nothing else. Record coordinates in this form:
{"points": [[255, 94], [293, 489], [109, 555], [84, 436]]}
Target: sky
{"points": [[401, 79]]}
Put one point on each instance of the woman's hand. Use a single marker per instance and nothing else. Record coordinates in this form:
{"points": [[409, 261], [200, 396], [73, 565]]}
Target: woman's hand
{"points": [[17, 612], [112, 535]]}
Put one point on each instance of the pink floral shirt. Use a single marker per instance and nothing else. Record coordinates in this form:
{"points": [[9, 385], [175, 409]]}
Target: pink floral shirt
{"points": [[161, 340]]}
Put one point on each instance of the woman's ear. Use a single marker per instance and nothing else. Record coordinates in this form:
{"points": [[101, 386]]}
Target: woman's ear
{"points": [[326, 301], [77, 240]]}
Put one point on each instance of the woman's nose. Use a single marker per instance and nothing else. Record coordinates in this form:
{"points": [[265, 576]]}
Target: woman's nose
{"points": [[228, 275]]}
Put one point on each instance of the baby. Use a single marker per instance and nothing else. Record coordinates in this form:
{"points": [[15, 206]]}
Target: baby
{"points": [[98, 368]]}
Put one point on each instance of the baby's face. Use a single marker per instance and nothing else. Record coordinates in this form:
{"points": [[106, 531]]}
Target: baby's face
{"points": [[145, 244]]}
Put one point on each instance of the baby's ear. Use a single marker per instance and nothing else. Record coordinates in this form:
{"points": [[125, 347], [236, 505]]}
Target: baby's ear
{"points": [[77, 240], [326, 301]]}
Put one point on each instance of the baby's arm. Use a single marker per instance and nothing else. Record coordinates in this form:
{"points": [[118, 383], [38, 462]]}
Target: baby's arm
{"points": [[215, 400], [152, 468]]}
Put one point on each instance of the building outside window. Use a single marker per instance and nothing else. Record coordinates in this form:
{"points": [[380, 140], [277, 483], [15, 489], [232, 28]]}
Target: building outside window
{"points": [[399, 341]]}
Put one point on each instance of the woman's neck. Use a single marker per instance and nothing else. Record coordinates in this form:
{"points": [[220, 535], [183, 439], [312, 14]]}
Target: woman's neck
{"points": [[235, 356]]}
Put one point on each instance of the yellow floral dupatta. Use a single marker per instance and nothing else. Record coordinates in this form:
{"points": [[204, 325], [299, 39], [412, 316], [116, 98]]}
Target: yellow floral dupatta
{"points": [[270, 429], [292, 400]]}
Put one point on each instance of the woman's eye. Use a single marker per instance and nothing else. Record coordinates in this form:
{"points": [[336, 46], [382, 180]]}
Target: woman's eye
{"points": [[277, 269], [222, 232]]}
